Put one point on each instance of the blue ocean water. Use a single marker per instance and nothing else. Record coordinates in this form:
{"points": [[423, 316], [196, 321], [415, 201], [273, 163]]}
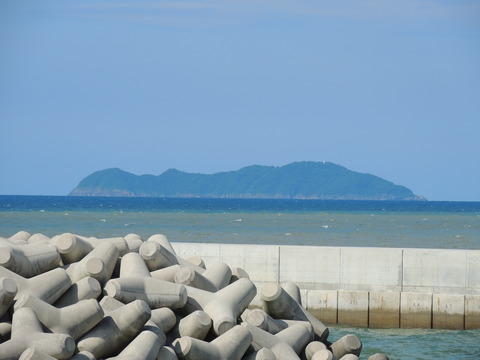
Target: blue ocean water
{"points": [[421, 224], [454, 225]]}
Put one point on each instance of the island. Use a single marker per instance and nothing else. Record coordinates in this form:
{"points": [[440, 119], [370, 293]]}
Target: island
{"points": [[298, 180]]}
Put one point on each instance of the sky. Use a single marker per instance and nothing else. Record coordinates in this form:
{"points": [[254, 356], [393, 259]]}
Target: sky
{"points": [[390, 88]]}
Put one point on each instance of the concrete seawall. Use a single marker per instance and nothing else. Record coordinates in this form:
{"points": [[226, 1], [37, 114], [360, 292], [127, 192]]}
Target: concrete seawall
{"points": [[367, 287]]}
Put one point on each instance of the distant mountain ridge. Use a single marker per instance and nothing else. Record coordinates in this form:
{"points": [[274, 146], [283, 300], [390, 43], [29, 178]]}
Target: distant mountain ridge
{"points": [[298, 180]]}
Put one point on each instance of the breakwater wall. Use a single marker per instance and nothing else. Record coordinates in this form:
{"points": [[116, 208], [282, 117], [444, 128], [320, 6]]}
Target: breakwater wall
{"points": [[365, 287]]}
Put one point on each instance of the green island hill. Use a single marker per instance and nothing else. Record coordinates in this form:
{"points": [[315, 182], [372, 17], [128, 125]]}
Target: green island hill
{"points": [[298, 180]]}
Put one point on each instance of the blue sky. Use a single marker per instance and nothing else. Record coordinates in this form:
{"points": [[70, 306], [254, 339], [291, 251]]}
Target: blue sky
{"points": [[390, 88]]}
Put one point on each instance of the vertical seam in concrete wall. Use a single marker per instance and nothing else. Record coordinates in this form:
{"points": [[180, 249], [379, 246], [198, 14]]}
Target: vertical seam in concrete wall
{"points": [[336, 308], [368, 309], [466, 272], [399, 309], [402, 271], [278, 265], [431, 313], [340, 272]]}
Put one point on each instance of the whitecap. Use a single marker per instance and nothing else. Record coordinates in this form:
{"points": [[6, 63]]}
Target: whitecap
{"points": [[238, 220], [103, 220], [325, 226], [288, 234]]}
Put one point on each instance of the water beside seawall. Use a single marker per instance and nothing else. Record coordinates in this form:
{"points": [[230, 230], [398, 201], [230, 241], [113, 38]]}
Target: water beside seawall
{"points": [[364, 287]]}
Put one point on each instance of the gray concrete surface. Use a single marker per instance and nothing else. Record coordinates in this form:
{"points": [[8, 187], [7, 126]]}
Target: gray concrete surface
{"points": [[27, 332], [336, 283], [230, 345], [223, 306], [116, 330]]}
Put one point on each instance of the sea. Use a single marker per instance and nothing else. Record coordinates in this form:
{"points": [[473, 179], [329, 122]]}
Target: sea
{"points": [[400, 224]]}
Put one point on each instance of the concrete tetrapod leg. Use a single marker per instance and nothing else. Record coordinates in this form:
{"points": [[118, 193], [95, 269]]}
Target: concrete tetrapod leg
{"points": [[167, 274], [262, 320], [161, 320], [263, 339], [20, 236], [224, 306], [116, 330], [30, 259], [262, 354], [27, 332], [378, 356], [196, 325], [162, 240], [197, 261], [293, 290], [118, 242], [74, 320], [8, 290], [83, 355], [134, 242], [349, 357], [191, 277], [238, 273], [135, 283], [38, 238], [313, 347], [84, 289], [297, 336], [324, 355], [218, 274], [166, 353], [231, 345], [280, 305], [71, 247], [348, 344], [133, 265], [99, 264], [158, 255], [35, 354], [54, 283], [144, 347]]}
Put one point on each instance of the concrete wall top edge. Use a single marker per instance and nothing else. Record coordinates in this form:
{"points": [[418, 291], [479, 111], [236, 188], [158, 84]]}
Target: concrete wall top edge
{"points": [[222, 244], [331, 247], [446, 271]]}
